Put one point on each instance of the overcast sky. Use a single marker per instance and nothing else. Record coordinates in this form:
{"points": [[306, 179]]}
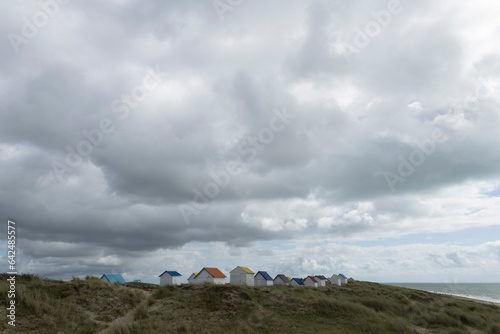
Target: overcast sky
{"points": [[297, 137]]}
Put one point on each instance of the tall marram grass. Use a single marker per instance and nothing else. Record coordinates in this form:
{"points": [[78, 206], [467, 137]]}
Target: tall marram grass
{"points": [[85, 306], [78, 306]]}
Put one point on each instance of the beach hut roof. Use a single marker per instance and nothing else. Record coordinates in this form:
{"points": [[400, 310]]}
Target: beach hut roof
{"points": [[114, 278], [265, 275], [245, 269], [171, 273], [216, 273], [283, 277], [342, 275], [298, 280], [312, 278]]}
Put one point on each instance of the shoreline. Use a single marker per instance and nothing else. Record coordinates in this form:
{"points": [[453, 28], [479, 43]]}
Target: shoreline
{"points": [[482, 300], [475, 300]]}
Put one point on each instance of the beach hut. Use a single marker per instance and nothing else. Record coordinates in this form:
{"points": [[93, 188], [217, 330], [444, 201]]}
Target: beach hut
{"points": [[296, 282], [170, 277], [137, 281], [343, 278], [263, 278], [310, 281], [281, 280], [321, 280], [335, 280], [241, 276], [210, 275], [191, 278], [112, 278]]}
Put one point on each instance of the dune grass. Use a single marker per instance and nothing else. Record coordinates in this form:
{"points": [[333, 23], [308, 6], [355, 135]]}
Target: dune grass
{"points": [[92, 306]]}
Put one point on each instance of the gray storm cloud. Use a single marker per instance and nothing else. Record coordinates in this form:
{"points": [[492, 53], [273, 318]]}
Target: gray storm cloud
{"points": [[224, 73]]}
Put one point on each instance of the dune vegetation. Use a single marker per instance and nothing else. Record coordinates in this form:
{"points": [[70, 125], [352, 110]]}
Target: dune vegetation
{"points": [[92, 306]]}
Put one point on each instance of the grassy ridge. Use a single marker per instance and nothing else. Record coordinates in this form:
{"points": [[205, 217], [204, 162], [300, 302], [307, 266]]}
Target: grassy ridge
{"points": [[92, 306]]}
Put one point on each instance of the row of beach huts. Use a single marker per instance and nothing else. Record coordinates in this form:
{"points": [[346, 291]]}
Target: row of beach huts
{"points": [[238, 276]]}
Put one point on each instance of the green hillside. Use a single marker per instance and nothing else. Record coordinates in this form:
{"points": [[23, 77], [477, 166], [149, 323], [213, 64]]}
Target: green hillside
{"points": [[92, 306]]}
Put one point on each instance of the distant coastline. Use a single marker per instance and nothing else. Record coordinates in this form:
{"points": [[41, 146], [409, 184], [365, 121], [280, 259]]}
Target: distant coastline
{"points": [[486, 302], [487, 293]]}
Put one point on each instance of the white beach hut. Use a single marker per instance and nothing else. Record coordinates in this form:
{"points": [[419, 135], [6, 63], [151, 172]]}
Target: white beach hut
{"points": [[296, 282], [191, 278], [241, 276], [170, 277], [262, 278], [321, 280], [310, 281], [335, 280], [210, 275], [281, 280]]}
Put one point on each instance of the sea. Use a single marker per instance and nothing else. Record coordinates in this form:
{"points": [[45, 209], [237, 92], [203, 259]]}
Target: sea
{"points": [[489, 292]]}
